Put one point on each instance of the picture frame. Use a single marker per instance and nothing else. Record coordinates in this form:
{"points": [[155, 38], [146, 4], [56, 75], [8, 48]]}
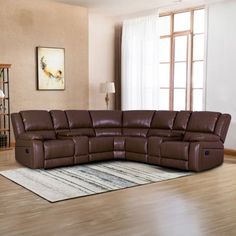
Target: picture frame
{"points": [[50, 68]]}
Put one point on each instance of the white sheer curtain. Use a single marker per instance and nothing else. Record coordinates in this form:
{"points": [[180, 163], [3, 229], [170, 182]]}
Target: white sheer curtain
{"points": [[140, 61]]}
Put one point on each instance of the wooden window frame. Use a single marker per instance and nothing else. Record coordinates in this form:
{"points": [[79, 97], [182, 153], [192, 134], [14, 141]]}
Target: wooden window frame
{"points": [[189, 57]]}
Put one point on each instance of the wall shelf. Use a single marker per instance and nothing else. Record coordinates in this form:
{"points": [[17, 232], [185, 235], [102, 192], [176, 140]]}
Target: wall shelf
{"points": [[5, 108]]}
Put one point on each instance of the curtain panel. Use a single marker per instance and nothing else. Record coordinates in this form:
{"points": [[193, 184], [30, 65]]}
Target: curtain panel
{"points": [[140, 60]]}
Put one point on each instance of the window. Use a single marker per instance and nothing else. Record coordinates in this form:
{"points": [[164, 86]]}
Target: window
{"points": [[182, 57]]}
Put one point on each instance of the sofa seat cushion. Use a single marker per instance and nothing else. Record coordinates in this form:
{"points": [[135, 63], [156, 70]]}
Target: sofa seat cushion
{"points": [[136, 145], [165, 133], [175, 150], [58, 148], [106, 132], [198, 137], [77, 132], [154, 142], [135, 132], [44, 134], [101, 144]]}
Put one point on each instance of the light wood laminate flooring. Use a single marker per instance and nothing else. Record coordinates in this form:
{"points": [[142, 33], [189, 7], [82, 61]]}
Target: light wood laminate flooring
{"points": [[201, 204]]}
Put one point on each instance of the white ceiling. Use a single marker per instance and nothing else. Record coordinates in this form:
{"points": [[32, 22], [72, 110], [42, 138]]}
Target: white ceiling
{"points": [[126, 7]]}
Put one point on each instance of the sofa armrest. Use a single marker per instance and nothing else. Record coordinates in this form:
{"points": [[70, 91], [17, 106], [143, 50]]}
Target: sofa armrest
{"points": [[200, 137], [30, 153], [205, 155], [30, 136]]}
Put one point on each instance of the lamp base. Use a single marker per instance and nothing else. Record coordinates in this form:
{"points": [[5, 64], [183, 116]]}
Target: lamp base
{"points": [[107, 101]]}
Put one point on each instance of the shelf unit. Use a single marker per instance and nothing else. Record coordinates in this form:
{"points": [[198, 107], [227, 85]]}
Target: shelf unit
{"points": [[5, 111]]}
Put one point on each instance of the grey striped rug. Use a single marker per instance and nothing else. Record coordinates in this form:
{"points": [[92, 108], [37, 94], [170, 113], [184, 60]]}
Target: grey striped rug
{"points": [[83, 180]]}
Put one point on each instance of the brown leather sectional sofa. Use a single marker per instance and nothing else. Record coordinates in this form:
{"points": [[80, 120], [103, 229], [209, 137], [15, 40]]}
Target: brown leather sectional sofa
{"points": [[183, 140]]}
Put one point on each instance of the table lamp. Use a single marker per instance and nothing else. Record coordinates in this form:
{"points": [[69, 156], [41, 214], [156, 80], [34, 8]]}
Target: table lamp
{"points": [[107, 88]]}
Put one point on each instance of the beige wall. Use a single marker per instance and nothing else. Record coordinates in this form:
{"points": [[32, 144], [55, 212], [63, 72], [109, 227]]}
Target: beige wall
{"points": [[101, 58], [25, 24]]}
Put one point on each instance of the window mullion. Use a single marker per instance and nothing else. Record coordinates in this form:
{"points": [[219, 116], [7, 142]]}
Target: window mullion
{"points": [[190, 88], [172, 56]]}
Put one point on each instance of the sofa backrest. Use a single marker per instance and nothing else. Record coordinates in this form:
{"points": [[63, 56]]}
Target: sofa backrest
{"points": [[204, 125], [195, 126], [80, 121], [60, 121], [107, 123], [137, 123], [181, 120], [162, 123], [38, 122]]}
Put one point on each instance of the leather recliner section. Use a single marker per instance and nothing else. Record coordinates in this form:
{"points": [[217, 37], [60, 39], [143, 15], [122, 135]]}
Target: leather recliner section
{"points": [[183, 140]]}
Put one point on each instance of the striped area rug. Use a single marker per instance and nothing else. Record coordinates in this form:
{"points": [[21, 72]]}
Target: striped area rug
{"points": [[70, 182]]}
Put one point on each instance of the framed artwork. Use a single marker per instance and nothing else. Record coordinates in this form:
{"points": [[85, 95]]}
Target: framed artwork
{"points": [[50, 68]]}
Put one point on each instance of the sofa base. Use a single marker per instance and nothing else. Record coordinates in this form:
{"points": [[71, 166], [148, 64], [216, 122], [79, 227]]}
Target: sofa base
{"points": [[58, 162]]}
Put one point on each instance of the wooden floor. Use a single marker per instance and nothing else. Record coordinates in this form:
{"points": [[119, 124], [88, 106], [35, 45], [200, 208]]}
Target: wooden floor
{"points": [[202, 204]]}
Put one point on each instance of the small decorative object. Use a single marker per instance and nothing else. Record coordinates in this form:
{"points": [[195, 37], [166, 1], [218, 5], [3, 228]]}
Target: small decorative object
{"points": [[3, 140], [50, 68], [2, 96], [107, 88]]}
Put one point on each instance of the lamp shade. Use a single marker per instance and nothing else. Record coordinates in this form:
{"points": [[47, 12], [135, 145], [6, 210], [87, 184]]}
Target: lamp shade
{"points": [[2, 95], [108, 87]]}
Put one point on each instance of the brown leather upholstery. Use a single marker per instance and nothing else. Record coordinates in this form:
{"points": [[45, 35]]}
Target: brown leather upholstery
{"points": [[164, 133], [76, 132], [175, 150], [17, 124], [80, 121], [163, 119], [59, 119], [58, 148], [184, 140], [154, 143], [203, 121], [197, 137], [205, 155], [101, 144], [36, 120], [119, 147], [106, 119], [45, 134], [30, 153], [137, 123], [222, 126], [181, 120], [136, 144]]}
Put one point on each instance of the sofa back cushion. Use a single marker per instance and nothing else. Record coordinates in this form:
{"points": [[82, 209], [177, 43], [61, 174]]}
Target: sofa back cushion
{"points": [[107, 123], [80, 120], [203, 121], [39, 122], [181, 120], [137, 123], [162, 123], [163, 119], [36, 120], [59, 119]]}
